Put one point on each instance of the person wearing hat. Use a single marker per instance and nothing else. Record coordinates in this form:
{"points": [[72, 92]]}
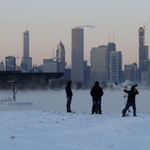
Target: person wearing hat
{"points": [[131, 100], [125, 95]]}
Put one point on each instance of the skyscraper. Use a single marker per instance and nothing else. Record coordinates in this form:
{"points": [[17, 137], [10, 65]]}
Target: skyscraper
{"points": [[111, 47], [26, 60], [60, 55], [1, 66], [99, 64], [146, 53], [143, 51], [10, 63], [130, 72], [77, 71], [115, 67], [25, 43]]}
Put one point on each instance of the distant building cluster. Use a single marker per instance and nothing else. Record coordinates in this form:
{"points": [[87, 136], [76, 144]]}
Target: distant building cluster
{"points": [[105, 61]]}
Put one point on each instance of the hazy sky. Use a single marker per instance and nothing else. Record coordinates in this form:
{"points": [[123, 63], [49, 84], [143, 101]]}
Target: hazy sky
{"points": [[50, 21]]}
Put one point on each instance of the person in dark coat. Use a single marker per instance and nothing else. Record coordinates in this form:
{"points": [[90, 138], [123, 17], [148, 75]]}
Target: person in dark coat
{"points": [[69, 95], [96, 93], [131, 100]]}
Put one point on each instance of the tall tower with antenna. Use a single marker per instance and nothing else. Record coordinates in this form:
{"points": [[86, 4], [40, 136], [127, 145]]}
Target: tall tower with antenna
{"points": [[111, 47], [25, 44], [26, 60], [143, 50]]}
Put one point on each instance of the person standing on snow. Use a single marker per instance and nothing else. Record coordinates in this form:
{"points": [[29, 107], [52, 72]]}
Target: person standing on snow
{"points": [[96, 93], [131, 100], [125, 95], [69, 95]]}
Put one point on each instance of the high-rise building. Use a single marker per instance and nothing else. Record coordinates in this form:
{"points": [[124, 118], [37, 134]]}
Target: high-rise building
{"points": [[131, 72], [10, 63], [1, 66], [99, 64], [49, 65], [111, 47], [67, 74], [25, 44], [143, 50], [86, 73], [146, 65], [26, 60], [77, 71], [115, 67], [60, 55], [146, 53]]}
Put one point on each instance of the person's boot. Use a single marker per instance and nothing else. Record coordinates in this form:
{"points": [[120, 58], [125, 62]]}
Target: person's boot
{"points": [[122, 111], [100, 112], [123, 114], [93, 109], [99, 109], [134, 113]]}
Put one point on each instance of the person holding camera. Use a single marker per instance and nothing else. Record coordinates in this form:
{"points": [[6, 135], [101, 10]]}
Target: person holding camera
{"points": [[131, 100]]}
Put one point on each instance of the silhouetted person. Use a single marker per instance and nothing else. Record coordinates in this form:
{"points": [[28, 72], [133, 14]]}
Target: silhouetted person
{"points": [[131, 100], [96, 93], [69, 95]]}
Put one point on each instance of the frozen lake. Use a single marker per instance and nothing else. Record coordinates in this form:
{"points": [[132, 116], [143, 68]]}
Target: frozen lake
{"points": [[82, 102]]}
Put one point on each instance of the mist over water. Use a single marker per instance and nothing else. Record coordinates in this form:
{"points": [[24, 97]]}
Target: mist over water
{"points": [[50, 100]]}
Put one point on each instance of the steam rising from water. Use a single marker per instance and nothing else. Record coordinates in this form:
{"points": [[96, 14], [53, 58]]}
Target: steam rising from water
{"points": [[112, 101]]}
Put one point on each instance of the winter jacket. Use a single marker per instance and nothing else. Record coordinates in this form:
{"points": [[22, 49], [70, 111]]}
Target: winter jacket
{"points": [[68, 90], [96, 92], [131, 94]]}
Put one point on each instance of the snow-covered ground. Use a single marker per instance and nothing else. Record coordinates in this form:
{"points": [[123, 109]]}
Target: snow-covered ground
{"points": [[47, 126]]}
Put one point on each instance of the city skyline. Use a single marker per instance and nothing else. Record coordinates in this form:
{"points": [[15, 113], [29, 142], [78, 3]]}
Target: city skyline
{"points": [[51, 21]]}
